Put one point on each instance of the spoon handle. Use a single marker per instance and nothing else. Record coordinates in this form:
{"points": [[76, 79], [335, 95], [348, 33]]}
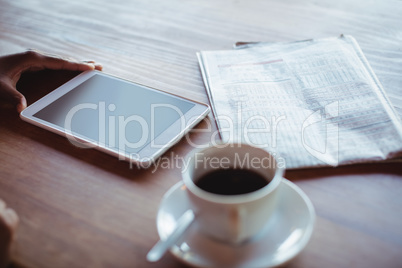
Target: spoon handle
{"points": [[162, 246]]}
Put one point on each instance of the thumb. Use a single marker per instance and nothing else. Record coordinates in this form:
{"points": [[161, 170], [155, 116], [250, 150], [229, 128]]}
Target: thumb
{"points": [[12, 95], [20, 101]]}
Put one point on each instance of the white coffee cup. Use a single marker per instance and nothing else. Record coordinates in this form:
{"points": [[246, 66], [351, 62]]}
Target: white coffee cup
{"points": [[239, 217]]}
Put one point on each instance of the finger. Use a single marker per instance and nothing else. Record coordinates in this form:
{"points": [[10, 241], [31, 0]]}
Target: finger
{"points": [[98, 67], [38, 61], [11, 218], [62, 64], [22, 104], [12, 95]]}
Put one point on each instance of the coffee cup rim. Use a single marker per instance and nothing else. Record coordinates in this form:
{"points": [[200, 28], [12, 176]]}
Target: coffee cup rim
{"points": [[233, 199]]}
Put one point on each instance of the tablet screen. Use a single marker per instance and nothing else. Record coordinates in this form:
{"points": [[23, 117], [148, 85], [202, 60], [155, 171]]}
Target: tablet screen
{"points": [[109, 110]]}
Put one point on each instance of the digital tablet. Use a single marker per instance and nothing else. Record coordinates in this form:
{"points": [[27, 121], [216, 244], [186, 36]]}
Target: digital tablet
{"points": [[122, 118]]}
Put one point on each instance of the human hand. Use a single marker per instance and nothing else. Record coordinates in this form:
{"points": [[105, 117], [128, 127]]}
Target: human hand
{"points": [[12, 66], [8, 225]]}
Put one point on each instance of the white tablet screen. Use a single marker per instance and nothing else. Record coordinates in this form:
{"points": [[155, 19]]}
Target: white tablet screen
{"points": [[107, 110]]}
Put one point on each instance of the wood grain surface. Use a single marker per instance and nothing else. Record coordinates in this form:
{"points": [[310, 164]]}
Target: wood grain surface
{"points": [[83, 208]]}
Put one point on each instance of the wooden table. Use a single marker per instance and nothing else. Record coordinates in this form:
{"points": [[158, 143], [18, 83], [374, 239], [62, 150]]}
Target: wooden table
{"points": [[83, 208]]}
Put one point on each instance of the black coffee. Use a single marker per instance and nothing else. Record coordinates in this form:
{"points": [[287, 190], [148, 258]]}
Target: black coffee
{"points": [[231, 181]]}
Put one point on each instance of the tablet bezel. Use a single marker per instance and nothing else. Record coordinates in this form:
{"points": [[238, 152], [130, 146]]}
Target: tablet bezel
{"points": [[147, 155]]}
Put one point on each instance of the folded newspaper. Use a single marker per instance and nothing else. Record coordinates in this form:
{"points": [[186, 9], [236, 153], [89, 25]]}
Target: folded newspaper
{"points": [[312, 103]]}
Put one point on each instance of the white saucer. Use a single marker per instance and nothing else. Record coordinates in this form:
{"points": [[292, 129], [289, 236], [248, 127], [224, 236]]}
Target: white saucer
{"points": [[286, 234]]}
